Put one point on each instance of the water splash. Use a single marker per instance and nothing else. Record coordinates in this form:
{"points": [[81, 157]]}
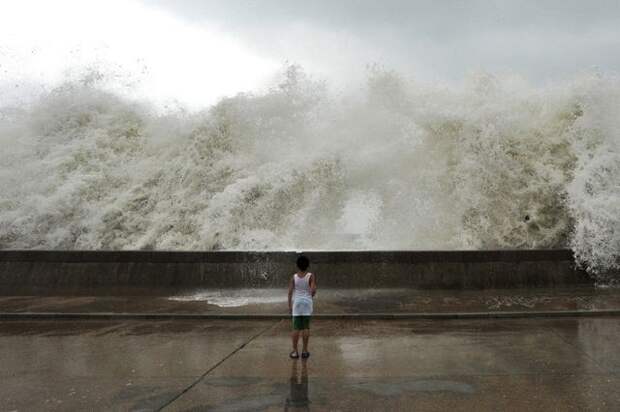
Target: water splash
{"points": [[494, 163], [234, 297]]}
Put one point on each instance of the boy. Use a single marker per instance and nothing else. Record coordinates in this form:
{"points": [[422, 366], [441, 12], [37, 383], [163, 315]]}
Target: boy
{"points": [[301, 290]]}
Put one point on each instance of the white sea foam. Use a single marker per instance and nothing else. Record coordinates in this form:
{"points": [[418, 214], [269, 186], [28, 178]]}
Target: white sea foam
{"points": [[495, 163]]}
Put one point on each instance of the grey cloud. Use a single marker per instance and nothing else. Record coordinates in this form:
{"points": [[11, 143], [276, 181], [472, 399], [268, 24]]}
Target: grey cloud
{"points": [[540, 39], [436, 16]]}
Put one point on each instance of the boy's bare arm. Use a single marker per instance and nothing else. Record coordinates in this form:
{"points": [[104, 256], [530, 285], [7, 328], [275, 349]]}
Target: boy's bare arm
{"points": [[290, 295], [313, 284]]}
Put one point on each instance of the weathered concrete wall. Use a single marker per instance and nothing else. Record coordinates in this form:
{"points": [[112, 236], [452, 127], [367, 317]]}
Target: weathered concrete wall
{"points": [[32, 272]]}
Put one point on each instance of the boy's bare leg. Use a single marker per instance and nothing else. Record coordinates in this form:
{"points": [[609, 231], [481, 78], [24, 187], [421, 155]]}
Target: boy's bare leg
{"points": [[295, 339], [306, 338]]}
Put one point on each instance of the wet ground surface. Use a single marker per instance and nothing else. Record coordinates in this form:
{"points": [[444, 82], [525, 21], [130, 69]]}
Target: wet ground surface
{"points": [[334, 301], [217, 365]]}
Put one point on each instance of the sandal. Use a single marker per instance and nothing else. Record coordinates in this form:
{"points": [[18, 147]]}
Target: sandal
{"points": [[294, 355], [305, 355]]}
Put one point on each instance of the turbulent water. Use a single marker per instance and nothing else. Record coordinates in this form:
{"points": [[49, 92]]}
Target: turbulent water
{"points": [[494, 163]]}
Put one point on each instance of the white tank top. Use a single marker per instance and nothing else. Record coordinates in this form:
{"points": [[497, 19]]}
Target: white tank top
{"points": [[302, 296]]}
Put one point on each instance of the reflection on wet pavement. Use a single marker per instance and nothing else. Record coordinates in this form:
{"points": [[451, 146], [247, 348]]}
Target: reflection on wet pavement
{"points": [[512, 364], [298, 397], [328, 301]]}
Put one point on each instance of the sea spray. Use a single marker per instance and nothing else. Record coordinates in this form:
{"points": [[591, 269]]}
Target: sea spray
{"points": [[494, 163]]}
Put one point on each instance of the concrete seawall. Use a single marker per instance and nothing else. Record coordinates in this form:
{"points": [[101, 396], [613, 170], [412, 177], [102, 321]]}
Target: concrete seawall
{"points": [[32, 272]]}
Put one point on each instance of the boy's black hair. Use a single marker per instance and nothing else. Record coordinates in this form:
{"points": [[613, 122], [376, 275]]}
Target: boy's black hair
{"points": [[303, 262]]}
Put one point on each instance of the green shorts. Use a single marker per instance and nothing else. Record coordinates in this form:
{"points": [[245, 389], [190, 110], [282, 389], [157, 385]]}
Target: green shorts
{"points": [[301, 322]]}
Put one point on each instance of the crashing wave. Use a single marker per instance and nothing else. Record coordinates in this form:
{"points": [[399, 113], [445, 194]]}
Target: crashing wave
{"points": [[495, 163]]}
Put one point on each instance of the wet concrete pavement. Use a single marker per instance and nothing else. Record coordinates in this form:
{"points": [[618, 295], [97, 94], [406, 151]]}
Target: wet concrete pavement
{"points": [[328, 301], [509, 364]]}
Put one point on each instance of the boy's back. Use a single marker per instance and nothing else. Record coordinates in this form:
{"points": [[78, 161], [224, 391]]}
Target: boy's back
{"points": [[301, 291]]}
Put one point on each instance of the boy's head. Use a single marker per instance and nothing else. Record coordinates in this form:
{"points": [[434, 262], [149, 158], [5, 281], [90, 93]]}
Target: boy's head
{"points": [[303, 262]]}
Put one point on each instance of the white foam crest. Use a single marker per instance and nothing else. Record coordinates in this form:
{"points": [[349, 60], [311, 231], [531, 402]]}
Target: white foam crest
{"points": [[495, 163]]}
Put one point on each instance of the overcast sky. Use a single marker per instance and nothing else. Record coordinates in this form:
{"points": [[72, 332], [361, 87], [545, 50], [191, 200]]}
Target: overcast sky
{"points": [[199, 50]]}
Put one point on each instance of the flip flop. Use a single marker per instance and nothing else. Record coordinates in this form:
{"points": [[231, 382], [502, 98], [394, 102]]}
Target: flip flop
{"points": [[305, 355], [294, 355]]}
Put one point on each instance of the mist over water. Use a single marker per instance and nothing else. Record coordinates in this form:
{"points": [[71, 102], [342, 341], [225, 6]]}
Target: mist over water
{"points": [[493, 163]]}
